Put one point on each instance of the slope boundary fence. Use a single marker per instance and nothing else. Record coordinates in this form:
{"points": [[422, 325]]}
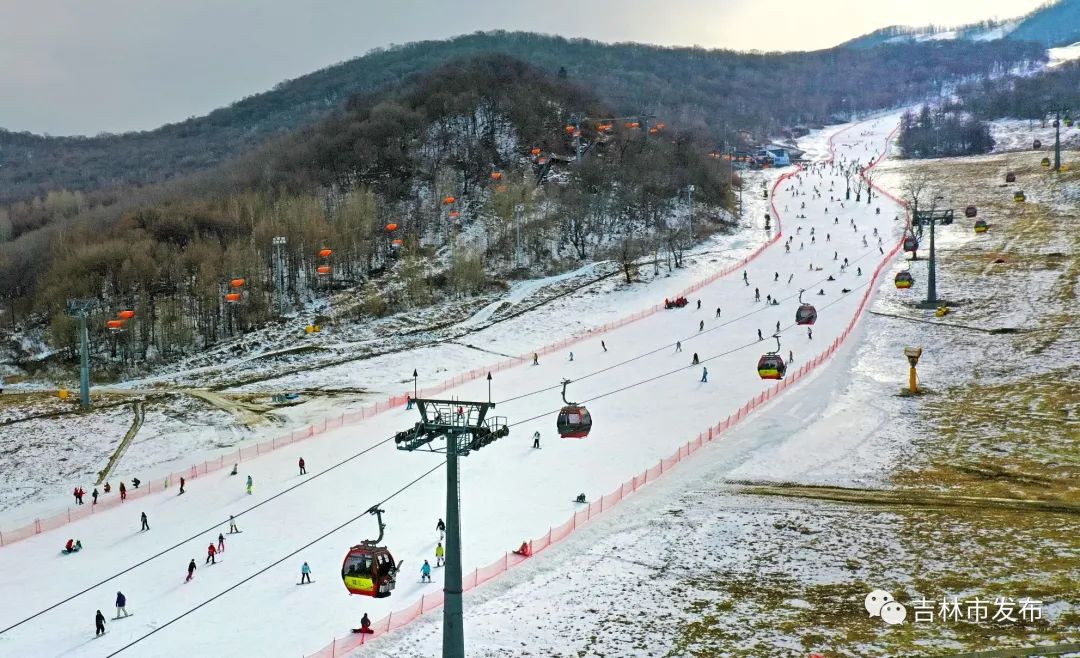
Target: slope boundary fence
{"points": [[343, 646], [161, 483]]}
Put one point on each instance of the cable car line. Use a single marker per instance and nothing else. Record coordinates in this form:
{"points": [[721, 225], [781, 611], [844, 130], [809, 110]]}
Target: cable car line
{"points": [[275, 563], [196, 536]]}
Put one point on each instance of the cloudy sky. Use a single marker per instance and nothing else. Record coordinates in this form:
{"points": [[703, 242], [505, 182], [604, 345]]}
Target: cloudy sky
{"points": [[88, 66]]}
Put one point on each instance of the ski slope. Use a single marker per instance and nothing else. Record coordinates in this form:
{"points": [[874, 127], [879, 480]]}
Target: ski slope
{"points": [[645, 399]]}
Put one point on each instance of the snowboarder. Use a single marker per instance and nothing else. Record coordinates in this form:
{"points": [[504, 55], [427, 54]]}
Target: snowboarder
{"points": [[777, 326], [250, 484], [182, 481], [809, 333], [408, 402], [425, 572], [441, 527], [745, 279], [790, 356], [305, 574], [211, 551], [571, 356], [776, 276], [108, 487], [94, 495], [135, 482], [678, 346], [858, 271], [303, 471], [536, 362], [220, 543], [145, 524], [524, 550], [604, 345], [440, 555], [365, 625], [190, 570], [717, 311], [695, 361], [99, 624], [232, 526], [123, 491], [121, 604], [234, 469], [580, 498], [757, 295], [704, 375], [759, 336], [69, 547], [699, 304], [701, 326], [768, 298], [536, 439]]}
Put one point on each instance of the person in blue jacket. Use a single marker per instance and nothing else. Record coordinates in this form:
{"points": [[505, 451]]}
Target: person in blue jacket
{"points": [[425, 572], [121, 604], [305, 574]]}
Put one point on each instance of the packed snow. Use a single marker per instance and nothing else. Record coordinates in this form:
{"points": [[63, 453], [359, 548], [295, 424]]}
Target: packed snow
{"points": [[644, 394]]}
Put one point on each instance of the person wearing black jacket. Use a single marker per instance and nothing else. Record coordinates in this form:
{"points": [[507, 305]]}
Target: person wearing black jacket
{"points": [[99, 623]]}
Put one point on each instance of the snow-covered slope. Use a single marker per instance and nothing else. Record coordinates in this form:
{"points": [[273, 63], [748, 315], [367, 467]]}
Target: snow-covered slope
{"points": [[645, 396]]}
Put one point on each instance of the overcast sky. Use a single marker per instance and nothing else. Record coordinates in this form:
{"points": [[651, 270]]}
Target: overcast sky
{"points": [[88, 66]]}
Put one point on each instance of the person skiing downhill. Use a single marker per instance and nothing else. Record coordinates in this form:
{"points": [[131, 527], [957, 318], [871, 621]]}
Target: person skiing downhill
{"points": [[121, 604], [94, 495], [145, 525], [425, 572], [441, 527], [190, 570], [305, 573], [440, 555], [250, 484], [99, 624], [211, 551], [220, 543]]}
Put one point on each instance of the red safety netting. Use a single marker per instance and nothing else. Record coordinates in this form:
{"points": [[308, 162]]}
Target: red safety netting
{"points": [[343, 646]]}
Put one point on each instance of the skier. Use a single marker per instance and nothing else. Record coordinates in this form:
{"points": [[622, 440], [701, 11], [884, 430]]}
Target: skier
{"points": [[108, 487], [94, 495], [145, 524], [757, 295], [220, 543], [408, 402], [828, 237], [768, 298], [234, 469], [232, 526], [790, 356], [123, 491], [182, 481], [678, 346], [305, 574], [858, 271], [536, 439], [121, 604], [365, 625], [250, 484], [135, 482], [745, 279], [701, 326], [704, 375], [211, 551], [777, 326], [99, 623], [571, 356], [759, 335], [441, 527], [776, 276], [425, 572], [809, 333], [604, 345], [190, 570], [78, 498], [440, 555], [717, 311], [699, 304], [536, 362], [303, 471], [695, 361]]}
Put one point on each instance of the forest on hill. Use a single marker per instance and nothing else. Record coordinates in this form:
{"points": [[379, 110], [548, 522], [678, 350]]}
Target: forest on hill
{"points": [[713, 93], [401, 198]]}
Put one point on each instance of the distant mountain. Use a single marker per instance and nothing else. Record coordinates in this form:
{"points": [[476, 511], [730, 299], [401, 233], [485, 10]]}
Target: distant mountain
{"points": [[1052, 25], [714, 93]]}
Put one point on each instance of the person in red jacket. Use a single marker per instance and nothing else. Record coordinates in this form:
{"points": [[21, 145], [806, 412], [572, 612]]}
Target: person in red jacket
{"points": [[210, 553], [524, 551], [123, 491]]}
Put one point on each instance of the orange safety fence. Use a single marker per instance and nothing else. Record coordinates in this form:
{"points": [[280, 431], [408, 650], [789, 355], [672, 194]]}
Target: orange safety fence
{"points": [[429, 602], [246, 453]]}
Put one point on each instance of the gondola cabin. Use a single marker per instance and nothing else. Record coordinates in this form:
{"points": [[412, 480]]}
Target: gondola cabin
{"points": [[904, 280], [806, 314], [981, 226], [911, 243], [1036, 145], [369, 570], [971, 211], [574, 422], [771, 366], [1019, 196], [1045, 162], [1010, 177]]}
